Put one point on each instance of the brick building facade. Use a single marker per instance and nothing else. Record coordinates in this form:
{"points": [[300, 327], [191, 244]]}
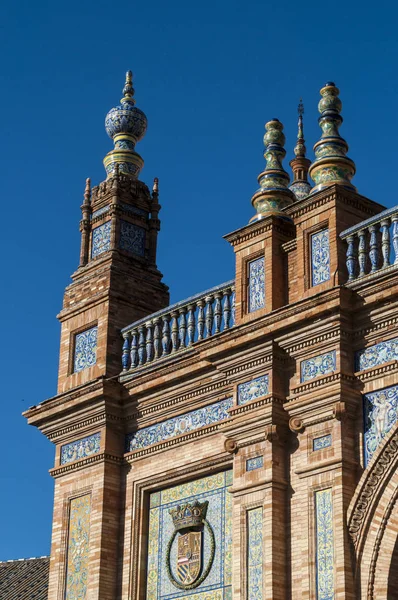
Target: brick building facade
{"points": [[240, 444]]}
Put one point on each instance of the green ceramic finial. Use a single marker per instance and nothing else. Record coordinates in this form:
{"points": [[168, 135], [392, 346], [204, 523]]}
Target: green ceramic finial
{"points": [[273, 195], [331, 165]]}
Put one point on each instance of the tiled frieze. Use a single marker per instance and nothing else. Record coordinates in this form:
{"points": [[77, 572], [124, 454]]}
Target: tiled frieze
{"points": [[101, 239], [255, 554], [250, 390], [80, 448], [322, 442], [324, 545], [376, 355], [380, 414], [194, 563], [317, 366], [256, 286], [78, 548], [320, 257], [85, 351], [134, 210], [100, 211], [132, 238], [178, 425], [254, 463]]}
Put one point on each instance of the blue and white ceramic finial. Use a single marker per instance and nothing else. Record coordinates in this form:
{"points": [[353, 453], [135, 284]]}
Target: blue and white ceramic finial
{"points": [[300, 164], [126, 125]]}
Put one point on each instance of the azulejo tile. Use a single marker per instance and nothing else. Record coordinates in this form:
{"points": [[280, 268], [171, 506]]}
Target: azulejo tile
{"points": [[256, 288], [324, 545], [178, 425], [255, 554], [320, 257], [100, 211], [85, 352], [254, 463], [132, 238], [317, 366], [129, 208], [380, 414], [376, 355], [217, 583], [78, 548], [322, 442], [80, 448], [250, 390], [101, 239]]}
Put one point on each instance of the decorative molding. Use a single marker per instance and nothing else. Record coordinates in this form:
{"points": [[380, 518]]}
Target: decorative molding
{"points": [[258, 362], [237, 410], [231, 446], [320, 381], [289, 246], [296, 425], [377, 372], [85, 462], [315, 340]]}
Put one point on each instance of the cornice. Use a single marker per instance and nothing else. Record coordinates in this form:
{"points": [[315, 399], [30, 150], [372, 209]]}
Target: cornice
{"points": [[260, 227], [86, 462], [376, 372], [86, 424], [320, 382], [253, 404]]}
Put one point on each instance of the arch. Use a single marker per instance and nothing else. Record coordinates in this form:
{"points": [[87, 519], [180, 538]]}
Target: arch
{"points": [[373, 522]]}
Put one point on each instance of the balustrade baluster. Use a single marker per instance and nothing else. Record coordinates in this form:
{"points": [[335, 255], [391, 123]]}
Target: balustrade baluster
{"points": [[201, 318], [126, 351], [395, 237], [191, 324], [157, 341], [134, 348], [183, 327], [227, 309], [362, 252], [217, 312], [374, 247], [351, 260], [166, 335], [141, 345], [233, 308], [149, 341], [209, 316], [385, 242], [174, 332]]}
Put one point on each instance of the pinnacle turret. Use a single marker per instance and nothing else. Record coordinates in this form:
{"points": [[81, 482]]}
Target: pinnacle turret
{"points": [[300, 164]]}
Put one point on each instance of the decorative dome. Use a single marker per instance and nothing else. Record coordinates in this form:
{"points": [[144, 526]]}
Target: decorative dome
{"points": [[126, 125]]}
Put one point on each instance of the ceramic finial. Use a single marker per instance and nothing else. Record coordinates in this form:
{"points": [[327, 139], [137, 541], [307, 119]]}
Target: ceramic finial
{"points": [[128, 90]]}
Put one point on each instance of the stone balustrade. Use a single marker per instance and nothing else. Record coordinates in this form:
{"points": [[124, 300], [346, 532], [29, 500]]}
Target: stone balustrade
{"points": [[372, 245], [179, 326]]}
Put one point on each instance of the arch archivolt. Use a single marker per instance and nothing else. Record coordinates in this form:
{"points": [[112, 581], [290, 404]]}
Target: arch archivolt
{"points": [[373, 520]]}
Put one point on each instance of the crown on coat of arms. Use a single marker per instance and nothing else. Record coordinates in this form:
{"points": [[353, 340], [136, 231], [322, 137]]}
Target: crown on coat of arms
{"points": [[189, 515]]}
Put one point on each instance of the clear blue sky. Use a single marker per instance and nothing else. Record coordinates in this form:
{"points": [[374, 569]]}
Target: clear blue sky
{"points": [[208, 75]]}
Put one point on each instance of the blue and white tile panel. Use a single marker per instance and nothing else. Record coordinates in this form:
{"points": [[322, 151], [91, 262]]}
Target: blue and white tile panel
{"points": [[100, 211], [85, 350], [320, 443], [132, 238], [128, 208], [320, 257], [190, 421], [324, 545], [101, 239], [317, 366], [255, 554], [254, 463], [250, 390], [256, 287], [380, 414], [376, 355], [80, 448]]}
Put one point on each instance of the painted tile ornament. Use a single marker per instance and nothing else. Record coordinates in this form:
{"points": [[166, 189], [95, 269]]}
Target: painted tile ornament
{"points": [[85, 354], [317, 366], [190, 421], [324, 545], [380, 414], [257, 462], [101, 239], [100, 211], [320, 257], [166, 566], [250, 390], [80, 448], [322, 442], [78, 548], [376, 355], [129, 208], [255, 554], [132, 238], [256, 288]]}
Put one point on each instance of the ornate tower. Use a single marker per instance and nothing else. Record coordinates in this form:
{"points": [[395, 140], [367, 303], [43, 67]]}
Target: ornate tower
{"points": [[117, 280], [300, 164]]}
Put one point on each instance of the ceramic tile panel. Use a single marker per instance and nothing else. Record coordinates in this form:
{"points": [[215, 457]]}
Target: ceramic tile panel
{"points": [[256, 287], [132, 238], [100, 211], [185, 423], [128, 208], [324, 545], [380, 414], [101, 239], [250, 390], [78, 548], [322, 442], [317, 366], [320, 257], [85, 352], [254, 463], [376, 355], [80, 448], [255, 554]]}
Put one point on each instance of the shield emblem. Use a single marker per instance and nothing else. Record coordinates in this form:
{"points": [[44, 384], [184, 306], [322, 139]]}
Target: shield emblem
{"points": [[189, 556]]}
